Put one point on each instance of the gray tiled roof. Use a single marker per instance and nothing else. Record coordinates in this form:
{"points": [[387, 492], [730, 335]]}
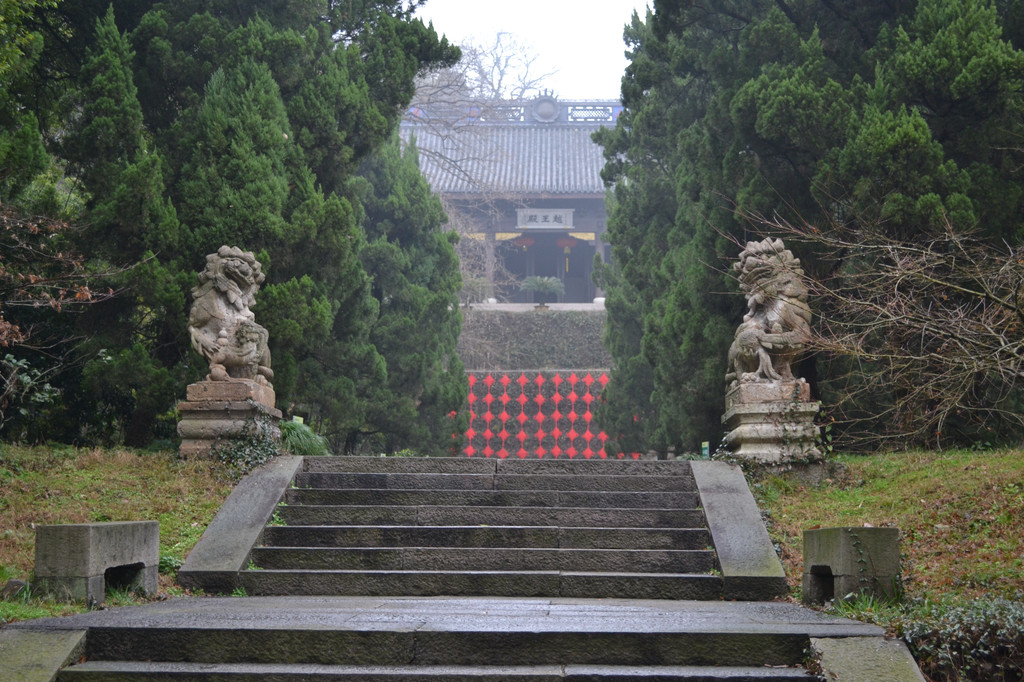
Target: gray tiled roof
{"points": [[555, 159]]}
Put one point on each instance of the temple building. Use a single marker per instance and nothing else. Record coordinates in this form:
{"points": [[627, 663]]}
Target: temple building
{"points": [[525, 182]]}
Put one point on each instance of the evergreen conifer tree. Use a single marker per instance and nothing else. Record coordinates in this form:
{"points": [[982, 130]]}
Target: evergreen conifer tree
{"points": [[130, 223], [415, 279], [892, 116]]}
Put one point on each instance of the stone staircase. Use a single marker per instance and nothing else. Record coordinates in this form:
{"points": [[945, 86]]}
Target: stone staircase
{"points": [[460, 526], [461, 570]]}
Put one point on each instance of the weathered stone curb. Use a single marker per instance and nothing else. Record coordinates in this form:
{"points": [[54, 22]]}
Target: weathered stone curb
{"points": [[750, 567], [223, 551], [865, 659], [38, 655]]}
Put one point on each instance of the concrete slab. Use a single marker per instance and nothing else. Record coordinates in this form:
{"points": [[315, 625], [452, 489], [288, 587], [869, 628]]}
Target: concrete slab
{"points": [[446, 631], [602, 467], [593, 482], [596, 306], [396, 480], [865, 659], [429, 465], [485, 559]]}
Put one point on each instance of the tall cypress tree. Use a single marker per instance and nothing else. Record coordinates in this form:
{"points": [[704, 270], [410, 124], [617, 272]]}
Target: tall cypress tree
{"points": [[415, 279], [235, 187], [889, 115], [260, 113], [131, 223]]}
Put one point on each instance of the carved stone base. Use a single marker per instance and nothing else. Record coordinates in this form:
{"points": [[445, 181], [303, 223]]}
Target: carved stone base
{"points": [[217, 412], [771, 423]]}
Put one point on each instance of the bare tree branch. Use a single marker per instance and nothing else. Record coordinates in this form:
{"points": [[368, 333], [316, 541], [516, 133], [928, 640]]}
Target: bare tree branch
{"points": [[924, 340]]}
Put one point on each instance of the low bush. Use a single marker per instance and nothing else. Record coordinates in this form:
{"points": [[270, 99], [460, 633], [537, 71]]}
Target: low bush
{"points": [[299, 439], [953, 639], [976, 640]]}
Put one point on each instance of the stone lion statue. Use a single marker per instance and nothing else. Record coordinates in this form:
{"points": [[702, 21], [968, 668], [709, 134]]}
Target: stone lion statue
{"points": [[778, 321], [222, 328]]}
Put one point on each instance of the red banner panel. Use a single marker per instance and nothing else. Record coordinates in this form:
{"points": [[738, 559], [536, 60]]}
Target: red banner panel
{"points": [[534, 414]]}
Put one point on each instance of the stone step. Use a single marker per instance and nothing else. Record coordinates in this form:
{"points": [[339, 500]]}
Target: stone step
{"points": [[129, 671], [383, 631], [422, 583], [484, 559], [486, 536], [594, 467], [494, 498], [478, 465], [409, 465], [461, 481], [428, 515]]}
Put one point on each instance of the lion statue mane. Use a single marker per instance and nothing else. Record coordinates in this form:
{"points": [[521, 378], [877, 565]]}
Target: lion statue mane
{"points": [[222, 327], [778, 321]]}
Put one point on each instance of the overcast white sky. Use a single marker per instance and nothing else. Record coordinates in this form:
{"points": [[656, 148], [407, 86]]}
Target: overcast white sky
{"points": [[581, 39]]}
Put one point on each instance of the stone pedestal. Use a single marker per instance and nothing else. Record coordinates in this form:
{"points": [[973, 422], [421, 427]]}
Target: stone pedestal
{"points": [[772, 423], [219, 411]]}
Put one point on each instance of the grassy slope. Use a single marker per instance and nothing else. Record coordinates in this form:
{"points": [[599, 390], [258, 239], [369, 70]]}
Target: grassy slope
{"points": [[961, 515], [47, 485]]}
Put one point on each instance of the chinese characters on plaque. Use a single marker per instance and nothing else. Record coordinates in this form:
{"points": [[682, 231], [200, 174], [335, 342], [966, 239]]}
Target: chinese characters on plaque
{"points": [[544, 218]]}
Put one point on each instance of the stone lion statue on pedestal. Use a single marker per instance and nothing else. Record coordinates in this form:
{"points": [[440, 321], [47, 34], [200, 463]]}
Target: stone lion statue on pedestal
{"points": [[778, 320], [222, 328]]}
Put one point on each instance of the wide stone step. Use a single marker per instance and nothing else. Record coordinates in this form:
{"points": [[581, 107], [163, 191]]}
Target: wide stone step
{"points": [[594, 466], [476, 465], [409, 465], [425, 515], [128, 671], [486, 536], [609, 639], [482, 584], [431, 481], [405, 635], [493, 498], [484, 559]]}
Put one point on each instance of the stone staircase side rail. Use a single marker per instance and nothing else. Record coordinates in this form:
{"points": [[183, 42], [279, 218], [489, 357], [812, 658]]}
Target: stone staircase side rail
{"points": [[38, 655], [223, 550], [750, 567]]}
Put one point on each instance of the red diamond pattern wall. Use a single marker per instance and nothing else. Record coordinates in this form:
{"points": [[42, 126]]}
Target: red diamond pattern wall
{"points": [[534, 414]]}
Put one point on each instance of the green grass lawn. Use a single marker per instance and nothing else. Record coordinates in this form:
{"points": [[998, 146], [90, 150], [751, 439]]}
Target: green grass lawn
{"points": [[60, 484], [960, 513]]}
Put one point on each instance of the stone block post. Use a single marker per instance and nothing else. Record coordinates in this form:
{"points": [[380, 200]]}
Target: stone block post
{"points": [[850, 560], [80, 560], [772, 424], [219, 412]]}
